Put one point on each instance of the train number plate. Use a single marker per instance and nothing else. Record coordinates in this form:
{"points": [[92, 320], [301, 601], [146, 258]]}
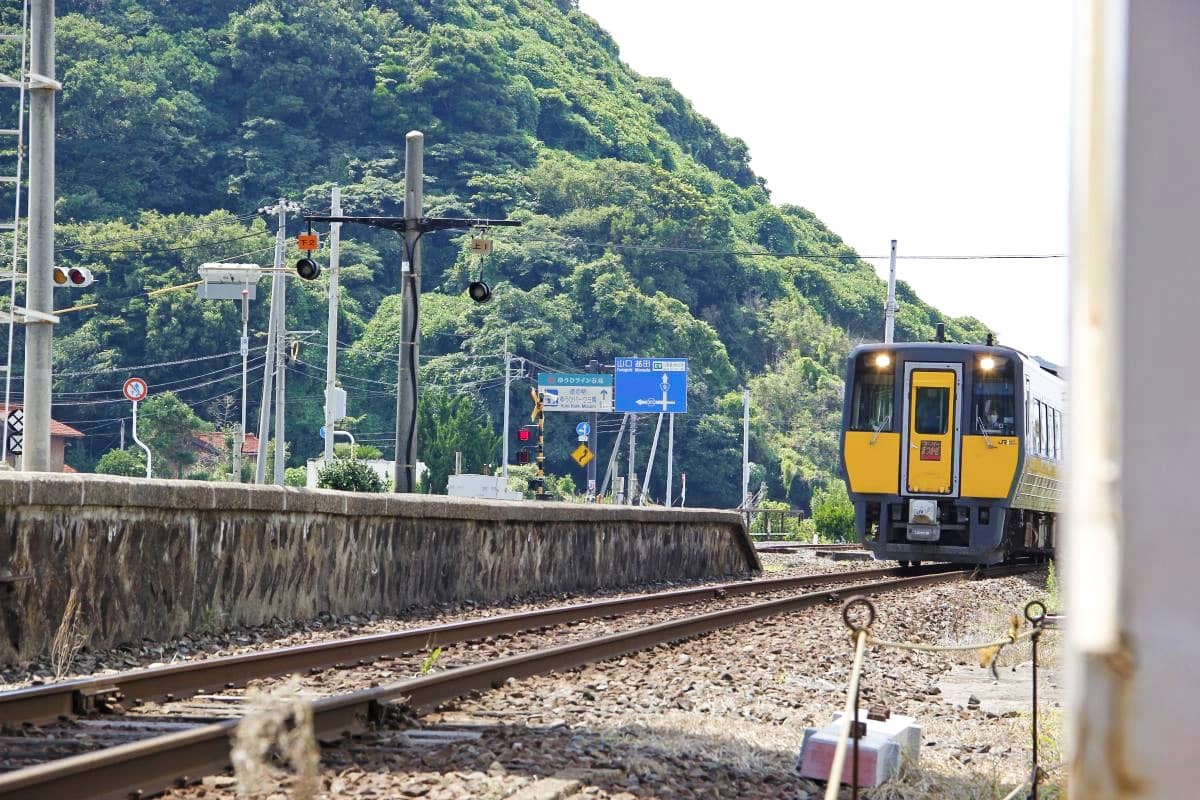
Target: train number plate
{"points": [[931, 451]]}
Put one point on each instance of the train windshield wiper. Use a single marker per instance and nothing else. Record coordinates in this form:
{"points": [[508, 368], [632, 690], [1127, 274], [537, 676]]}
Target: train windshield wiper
{"points": [[886, 421], [986, 439]]}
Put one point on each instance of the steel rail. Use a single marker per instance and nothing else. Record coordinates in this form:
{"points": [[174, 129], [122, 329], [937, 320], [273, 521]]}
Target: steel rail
{"points": [[39, 704], [141, 768]]}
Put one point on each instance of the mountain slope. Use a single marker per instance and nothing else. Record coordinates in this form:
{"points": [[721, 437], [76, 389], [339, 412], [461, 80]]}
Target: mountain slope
{"points": [[644, 230]]}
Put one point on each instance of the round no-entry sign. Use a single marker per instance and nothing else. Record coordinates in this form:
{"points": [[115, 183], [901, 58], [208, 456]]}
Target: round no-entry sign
{"points": [[135, 390]]}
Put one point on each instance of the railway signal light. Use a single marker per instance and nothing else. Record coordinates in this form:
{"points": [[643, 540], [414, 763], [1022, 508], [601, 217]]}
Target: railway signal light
{"points": [[522, 456], [479, 291], [308, 269], [74, 277]]}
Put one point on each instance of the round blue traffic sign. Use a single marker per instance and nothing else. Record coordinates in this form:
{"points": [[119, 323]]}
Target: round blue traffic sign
{"points": [[583, 429]]}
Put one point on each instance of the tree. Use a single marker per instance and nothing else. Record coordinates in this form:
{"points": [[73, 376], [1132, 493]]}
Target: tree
{"points": [[450, 424], [833, 512], [167, 425], [122, 462]]}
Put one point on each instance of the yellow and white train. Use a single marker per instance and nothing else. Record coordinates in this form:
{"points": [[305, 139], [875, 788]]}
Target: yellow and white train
{"points": [[952, 452]]}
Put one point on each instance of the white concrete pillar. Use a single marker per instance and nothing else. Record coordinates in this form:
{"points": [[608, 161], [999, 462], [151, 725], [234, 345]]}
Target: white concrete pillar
{"points": [[1131, 561]]}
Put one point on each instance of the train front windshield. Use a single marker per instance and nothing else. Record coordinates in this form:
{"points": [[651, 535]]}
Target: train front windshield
{"points": [[874, 386], [993, 403]]}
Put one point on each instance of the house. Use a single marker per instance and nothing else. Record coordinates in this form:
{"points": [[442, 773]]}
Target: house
{"points": [[60, 435], [210, 448]]}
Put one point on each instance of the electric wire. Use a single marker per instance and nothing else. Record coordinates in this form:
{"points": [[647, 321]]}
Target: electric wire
{"points": [[843, 257]]}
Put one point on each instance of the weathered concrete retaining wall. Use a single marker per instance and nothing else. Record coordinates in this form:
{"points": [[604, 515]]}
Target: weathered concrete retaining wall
{"points": [[157, 558]]}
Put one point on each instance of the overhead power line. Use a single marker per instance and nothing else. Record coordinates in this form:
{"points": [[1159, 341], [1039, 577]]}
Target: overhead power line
{"points": [[841, 257]]}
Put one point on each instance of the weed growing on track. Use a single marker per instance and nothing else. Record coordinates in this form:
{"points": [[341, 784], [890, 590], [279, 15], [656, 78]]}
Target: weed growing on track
{"points": [[69, 638], [279, 723], [430, 662]]}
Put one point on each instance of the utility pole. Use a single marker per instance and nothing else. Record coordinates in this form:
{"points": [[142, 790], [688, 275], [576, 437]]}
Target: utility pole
{"points": [[39, 291], [670, 461], [746, 448], [612, 459], [594, 422], [889, 314], [631, 481], [413, 226], [335, 243], [244, 347], [264, 414], [650, 461], [410, 332], [281, 345], [507, 385]]}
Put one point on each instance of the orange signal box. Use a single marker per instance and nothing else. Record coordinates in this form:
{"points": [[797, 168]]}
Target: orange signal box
{"points": [[307, 241]]}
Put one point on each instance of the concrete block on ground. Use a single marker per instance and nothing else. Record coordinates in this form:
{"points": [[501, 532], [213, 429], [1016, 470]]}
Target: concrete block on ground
{"points": [[879, 752]]}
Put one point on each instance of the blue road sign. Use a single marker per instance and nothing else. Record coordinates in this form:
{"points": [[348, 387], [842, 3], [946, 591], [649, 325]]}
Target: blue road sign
{"points": [[651, 385], [576, 391], [583, 429], [322, 431]]}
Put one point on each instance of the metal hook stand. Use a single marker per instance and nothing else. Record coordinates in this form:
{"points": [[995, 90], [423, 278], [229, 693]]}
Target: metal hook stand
{"points": [[1035, 612], [860, 631]]}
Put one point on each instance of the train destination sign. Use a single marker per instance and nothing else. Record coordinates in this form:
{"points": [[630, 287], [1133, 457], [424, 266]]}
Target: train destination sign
{"points": [[576, 391]]}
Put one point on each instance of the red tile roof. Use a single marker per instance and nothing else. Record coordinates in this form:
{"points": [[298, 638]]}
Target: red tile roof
{"points": [[56, 428], [216, 440]]}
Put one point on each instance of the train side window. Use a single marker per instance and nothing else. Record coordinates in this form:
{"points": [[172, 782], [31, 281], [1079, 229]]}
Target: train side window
{"points": [[873, 391], [993, 403], [933, 410], [1053, 433], [1038, 426], [1058, 435]]}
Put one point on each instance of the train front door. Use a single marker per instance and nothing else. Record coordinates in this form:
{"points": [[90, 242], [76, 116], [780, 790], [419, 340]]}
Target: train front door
{"points": [[931, 401]]}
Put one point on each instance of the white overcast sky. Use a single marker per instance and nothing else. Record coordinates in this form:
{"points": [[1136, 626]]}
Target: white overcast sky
{"points": [[943, 125]]}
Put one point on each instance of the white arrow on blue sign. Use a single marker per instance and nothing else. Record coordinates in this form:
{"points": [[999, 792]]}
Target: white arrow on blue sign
{"points": [[583, 429], [651, 385]]}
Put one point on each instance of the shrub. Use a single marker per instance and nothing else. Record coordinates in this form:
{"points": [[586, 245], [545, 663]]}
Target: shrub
{"points": [[833, 512], [122, 462], [295, 476], [350, 476]]}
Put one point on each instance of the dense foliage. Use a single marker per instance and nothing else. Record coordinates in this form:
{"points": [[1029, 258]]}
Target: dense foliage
{"points": [[644, 232], [350, 475]]}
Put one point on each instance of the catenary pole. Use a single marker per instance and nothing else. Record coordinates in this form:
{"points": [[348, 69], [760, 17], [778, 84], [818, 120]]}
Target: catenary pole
{"points": [[264, 413], [889, 314], [410, 332], [335, 243], [39, 298]]}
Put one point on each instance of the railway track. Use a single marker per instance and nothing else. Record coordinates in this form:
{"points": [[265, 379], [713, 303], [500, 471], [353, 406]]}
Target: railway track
{"points": [[191, 749]]}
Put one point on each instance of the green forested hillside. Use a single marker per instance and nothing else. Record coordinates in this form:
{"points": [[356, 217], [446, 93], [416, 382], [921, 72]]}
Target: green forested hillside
{"points": [[644, 230]]}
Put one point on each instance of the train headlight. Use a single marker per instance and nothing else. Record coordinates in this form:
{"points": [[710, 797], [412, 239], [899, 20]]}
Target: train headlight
{"points": [[883, 360], [987, 363]]}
